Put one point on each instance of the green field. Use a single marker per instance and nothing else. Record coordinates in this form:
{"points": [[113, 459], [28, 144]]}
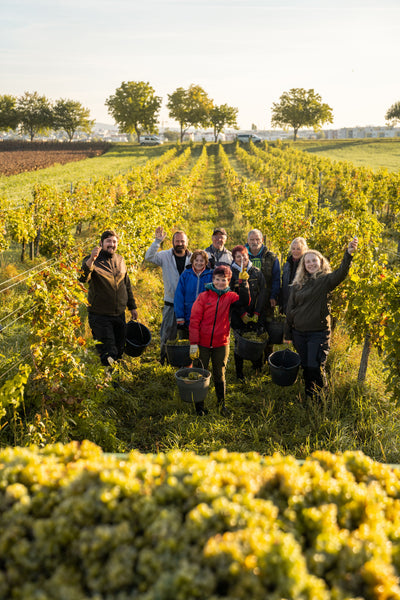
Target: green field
{"points": [[377, 153], [149, 415], [122, 157], [119, 159]]}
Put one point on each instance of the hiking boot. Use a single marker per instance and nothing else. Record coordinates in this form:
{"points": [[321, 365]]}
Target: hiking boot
{"points": [[224, 410]]}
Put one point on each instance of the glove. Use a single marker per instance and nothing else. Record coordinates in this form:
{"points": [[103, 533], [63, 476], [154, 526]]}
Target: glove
{"points": [[243, 275], [245, 318], [194, 351]]}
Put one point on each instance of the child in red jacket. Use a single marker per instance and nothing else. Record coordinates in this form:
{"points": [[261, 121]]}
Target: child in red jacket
{"points": [[210, 326]]}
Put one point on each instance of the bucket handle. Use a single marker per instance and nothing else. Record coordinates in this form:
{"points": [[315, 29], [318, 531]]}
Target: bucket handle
{"points": [[198, 360]]}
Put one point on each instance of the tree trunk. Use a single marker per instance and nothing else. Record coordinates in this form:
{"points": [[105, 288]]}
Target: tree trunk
{"points": [[362, 371], [37, 241], [23, 251]]}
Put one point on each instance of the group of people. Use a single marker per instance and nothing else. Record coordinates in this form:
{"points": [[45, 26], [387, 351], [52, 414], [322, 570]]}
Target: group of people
{"points": [[206, 292]]}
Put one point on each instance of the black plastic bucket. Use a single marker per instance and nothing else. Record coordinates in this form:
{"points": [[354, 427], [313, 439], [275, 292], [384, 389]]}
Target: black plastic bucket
{"points": [[193, 390], [138, 336], [178, 355], [275, 332], [284, 367], [249, 349]]}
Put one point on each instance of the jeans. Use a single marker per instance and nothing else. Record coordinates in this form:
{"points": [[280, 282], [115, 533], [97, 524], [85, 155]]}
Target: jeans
{"points": [[168, 329], [313, 349]]}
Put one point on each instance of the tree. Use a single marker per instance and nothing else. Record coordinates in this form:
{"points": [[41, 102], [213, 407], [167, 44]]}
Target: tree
{"points": [[393, 113], [221, 116], [190, 107], [35, 114], [9, 117], [135, 107], [70, 116], [300, 108]]}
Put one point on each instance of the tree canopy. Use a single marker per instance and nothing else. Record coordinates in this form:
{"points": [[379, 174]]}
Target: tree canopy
{"points": [[35, 113], [393, 113], [191, 107], [9, 117], [70, 116], [134, 107], [300, 108], [221, 116]]}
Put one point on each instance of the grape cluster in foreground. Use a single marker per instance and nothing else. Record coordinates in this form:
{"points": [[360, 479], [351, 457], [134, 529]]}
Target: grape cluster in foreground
{"points": [[76, 523]]}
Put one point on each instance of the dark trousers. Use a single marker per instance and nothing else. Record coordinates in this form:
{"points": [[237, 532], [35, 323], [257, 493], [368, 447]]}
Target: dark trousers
{"points": [[239, 361], [168, 329], [313, 349], [219, 360], [110, 333]]}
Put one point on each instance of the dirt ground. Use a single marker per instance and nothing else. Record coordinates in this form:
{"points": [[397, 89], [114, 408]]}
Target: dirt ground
{"points": [[19, 157]]}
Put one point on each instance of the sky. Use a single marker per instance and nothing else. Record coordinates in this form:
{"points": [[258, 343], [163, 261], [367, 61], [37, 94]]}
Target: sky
{"points": [[244, 53]]}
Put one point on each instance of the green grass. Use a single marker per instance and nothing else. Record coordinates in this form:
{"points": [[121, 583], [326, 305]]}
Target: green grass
{"points": [[147, 413], [374, 153], [119, 159]]}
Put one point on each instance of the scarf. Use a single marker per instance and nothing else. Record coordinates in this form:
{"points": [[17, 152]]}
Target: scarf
{"points": [[210, 287]]}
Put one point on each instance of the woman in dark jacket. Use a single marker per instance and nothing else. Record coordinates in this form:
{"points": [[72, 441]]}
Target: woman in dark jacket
{"points": [[308, 315], [255, 318], [297, 248]]}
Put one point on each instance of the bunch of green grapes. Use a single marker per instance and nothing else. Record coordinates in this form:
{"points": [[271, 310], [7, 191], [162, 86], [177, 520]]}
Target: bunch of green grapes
{"points": [[76, 523]]}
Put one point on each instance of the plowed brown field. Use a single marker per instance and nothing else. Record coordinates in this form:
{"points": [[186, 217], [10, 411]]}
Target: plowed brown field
{"points": [[19, 157]]}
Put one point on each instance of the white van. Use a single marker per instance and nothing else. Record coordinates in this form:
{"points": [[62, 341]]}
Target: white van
{"points": [[150, 140], [246, 137]]}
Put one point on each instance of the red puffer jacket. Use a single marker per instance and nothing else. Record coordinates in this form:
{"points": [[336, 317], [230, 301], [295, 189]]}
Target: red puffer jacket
{"points": [[209, 319]]}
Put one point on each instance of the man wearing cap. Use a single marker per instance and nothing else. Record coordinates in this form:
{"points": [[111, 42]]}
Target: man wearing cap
{"points": [[172, 262], [217, 253], [110, 293]]}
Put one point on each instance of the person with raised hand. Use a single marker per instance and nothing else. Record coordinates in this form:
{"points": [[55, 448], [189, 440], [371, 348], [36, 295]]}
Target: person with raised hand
{"points": [[110, 293], [297, 248], [254, 317], [172, 262], [308, 322], [268, 263]]}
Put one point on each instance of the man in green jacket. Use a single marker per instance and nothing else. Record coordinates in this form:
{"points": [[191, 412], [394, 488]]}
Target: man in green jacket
{"points": [[110, 293]]}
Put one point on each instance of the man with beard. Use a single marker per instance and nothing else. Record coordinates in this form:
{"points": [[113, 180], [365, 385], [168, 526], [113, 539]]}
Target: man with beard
{"points": [[172, 262], [110, 293]]}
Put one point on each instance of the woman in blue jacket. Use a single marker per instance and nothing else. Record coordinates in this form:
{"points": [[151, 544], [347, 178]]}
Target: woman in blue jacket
{"points": [[191, 283]]}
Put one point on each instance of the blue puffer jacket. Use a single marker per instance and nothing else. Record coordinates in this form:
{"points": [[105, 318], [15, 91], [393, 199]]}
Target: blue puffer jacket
{"points": [[189, 287]]}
